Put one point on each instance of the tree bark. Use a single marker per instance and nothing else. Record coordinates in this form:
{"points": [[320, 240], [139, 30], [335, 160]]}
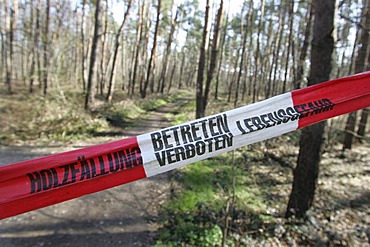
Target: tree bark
{"points": [[116, 46], [83, 53], [290, 7], [91, 82], [362, 125], [244, 45], [103, 64], [221, 56], [172, 73], [360, 66], [46, 47], [152, 55], [181, 69], [214, 55], [307, 170], [201, 66], [257, 56], [10, 26], [144, 53], [304, 49], [3, 49], [35, 46], [162, 79], [139, 32], [272, 81]]}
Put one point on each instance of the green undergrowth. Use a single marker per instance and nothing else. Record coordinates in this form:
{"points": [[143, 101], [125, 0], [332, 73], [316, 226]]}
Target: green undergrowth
{"points": [[153, 102], [195, 214], [186, 113], [210, 182], [60, 117], [125, 113]]}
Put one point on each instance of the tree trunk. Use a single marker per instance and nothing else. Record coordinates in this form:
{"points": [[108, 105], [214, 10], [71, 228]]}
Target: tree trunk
{"points": [[290, 7], [10, 26], [46, 47], [153, 67], [360, 66], [231, 81], [244, 44], [7, 47], [221, 56], [111, 78], [162, 79], [258, 51], [152, 55], [362, 125], [268, 63], [172, 73], [35, 46], [91, 82], [103, 64], [304, 49], [181, 68], [3, 49], [307, 170], [144, 53], [83, 53], [201, 65], [214, 55], [139, 32], [277, 52]]}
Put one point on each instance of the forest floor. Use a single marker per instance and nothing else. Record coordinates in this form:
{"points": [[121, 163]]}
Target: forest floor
{"points": [[122, 216], [263, 176], [188, 204]]}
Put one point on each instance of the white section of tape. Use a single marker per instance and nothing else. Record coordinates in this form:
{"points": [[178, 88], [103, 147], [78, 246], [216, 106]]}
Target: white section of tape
{"points": [[186, 143]]}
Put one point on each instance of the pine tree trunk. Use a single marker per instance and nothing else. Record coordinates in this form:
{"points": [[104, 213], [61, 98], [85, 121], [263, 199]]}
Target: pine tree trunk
{"points": [[272, 77], [360, 66], [139, 32], [152, 55], [103, 54], [181, 69], [304, 49], [83, 53], [214, 56], [91, 81], [221, 56], [290, 7], [162, 79], [35, 46], [117, 44], [46, 47], [11, 17], [362, 125], [257, 56], [307, 170], [244, 44], [3, 49], [201, 66], [172, 73]]}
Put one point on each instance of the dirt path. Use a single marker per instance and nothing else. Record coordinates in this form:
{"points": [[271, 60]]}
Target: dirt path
{"points": [[121, 216]]}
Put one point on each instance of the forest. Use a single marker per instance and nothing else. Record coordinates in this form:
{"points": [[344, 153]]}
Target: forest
{"points": [[82, 70]]}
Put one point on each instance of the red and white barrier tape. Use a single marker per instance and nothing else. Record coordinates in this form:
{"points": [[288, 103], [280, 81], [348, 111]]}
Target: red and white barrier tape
{"points": [[41, 182]]}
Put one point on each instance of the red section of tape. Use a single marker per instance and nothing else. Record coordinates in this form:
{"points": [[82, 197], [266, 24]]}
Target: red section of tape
{"points": [[45, 181], [346, 95]]}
